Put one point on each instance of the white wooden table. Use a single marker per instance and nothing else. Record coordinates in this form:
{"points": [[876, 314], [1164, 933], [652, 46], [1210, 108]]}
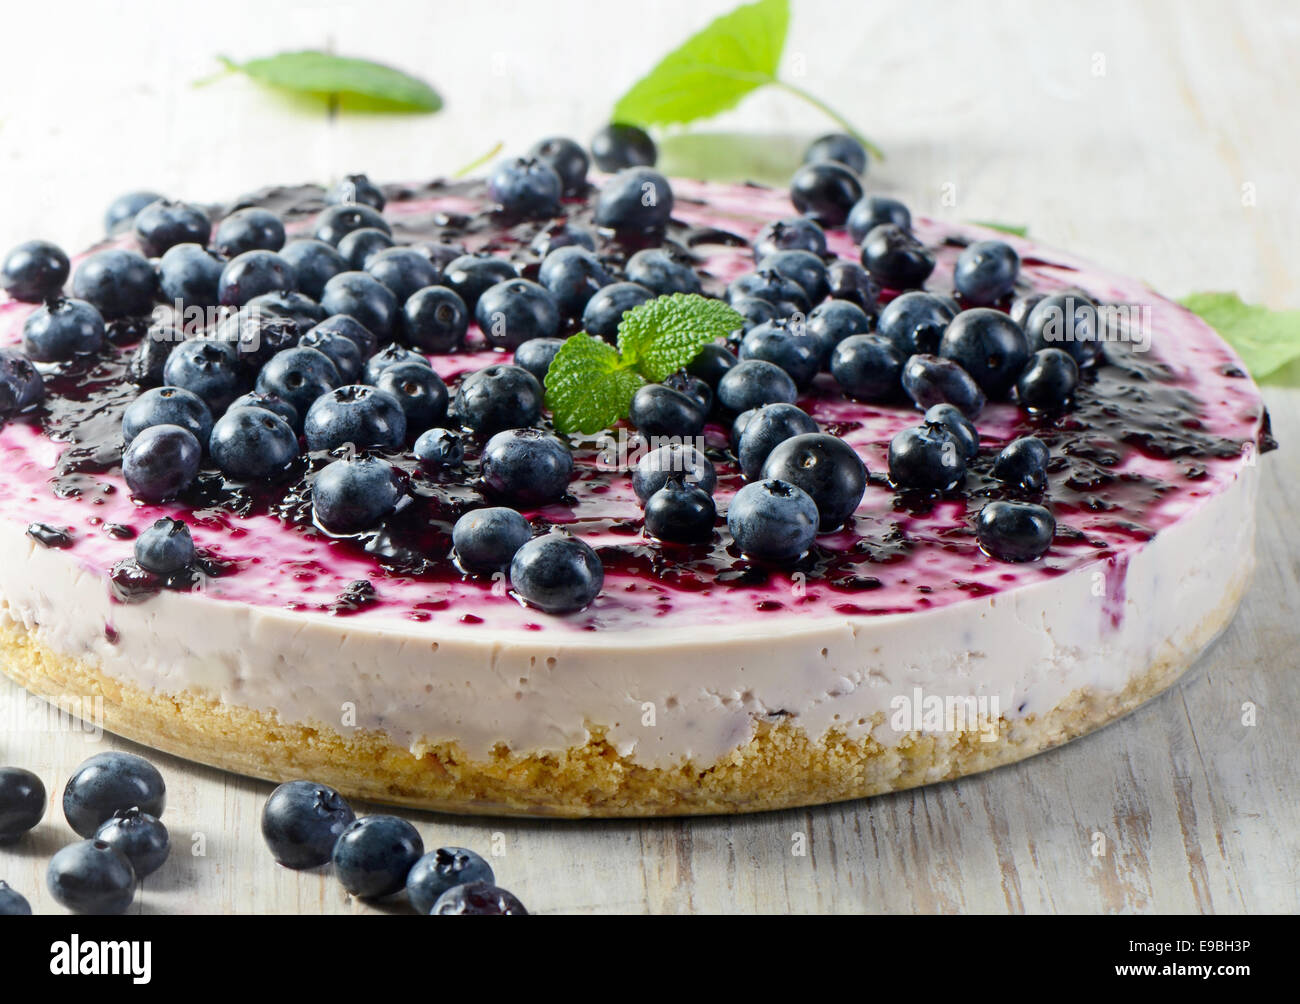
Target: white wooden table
{"points": [[1157, 138]]}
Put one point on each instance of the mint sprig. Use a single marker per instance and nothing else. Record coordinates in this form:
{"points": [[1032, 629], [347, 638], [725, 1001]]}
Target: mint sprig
{"points": [[1267, 340], [363, 84], [590, 383], [717, 67]]}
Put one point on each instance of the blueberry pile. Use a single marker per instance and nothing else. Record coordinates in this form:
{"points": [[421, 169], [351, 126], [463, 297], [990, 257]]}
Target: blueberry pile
{"points": [[307, 825]]}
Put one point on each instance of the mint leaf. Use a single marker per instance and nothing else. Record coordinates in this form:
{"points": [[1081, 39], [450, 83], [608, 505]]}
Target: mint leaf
{"points": [[664, 334], [1006, 228], [1265, 339], [373, 85], [588, 387]]}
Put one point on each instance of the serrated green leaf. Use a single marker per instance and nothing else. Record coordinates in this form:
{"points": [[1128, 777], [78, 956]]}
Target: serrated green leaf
{"points": [[713, 69], [324, 74], [664, 334], [1265, 339], [1017, 230], [588, 387]]}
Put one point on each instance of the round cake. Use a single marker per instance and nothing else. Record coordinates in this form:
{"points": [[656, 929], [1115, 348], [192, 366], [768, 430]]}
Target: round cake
{"points": [[895, 651]]}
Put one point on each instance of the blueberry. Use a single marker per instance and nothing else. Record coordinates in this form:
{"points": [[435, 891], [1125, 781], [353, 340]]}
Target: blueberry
{"points": [[560, 235], [680, 512], [988, 345], [826, 468], [119, 283], [513, 311], [108, 782], [985, 272], [795, 234], [354, 189], [680, 460], [302, 821], [21, 385], [374, 855], [350, 327], [832, 322], [786, 345], [314, 263], [210, 369], [526, 188], [847, 280], [826, 191], [755, 382], [486, 539], [299, 376], [12, 903], [251, 274], [1022, 306], [141, 838], [167, 406], [419, 391], [435, 319], [660, 411], [165, 548], [867, 367], [804, 267], [91, 877], [929, 380], [349, 496], [498, 397], [738, 426], [166, 223], [145, 364], [391, 355], [526, 466], [772, 520], [336, 222], [915, 322], [273, 403], [22, 803], [537, 354], [341, 349], [768, 284], [61, 330], [161, 462], [361, 415], [251, 229], [756, 311], [1048, 380], [1023, 464], [618, 146], [439, 448], [34, 271], [444, 869], [926, 458], [1015, 531], [636, 200], [364, 297], [251, 444], [608, 305], [360, 246], [478, 899], [895, 258], [291, 304], [958, 426], [557, 573], [839, 147], [711, 363], [471, 275], [693, 387], [767, 428], [190, 275], [255, 337], [122, 211], [874, 210], [1066, 321], [403, 271], [569, 161], [662, 271]]}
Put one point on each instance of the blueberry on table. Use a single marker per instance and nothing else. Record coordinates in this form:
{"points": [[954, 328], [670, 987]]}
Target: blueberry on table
{"points": [[618, 146], [985, 272], [537, 354], [787, 345], [359, 247], [361, 295], [1023, 463], [557, 573], [659, 271], [252, 444], [680, 512], [117, 282], [526, 466], [636, 200], [795, 234], [22, 802], [926, 458], [486, 539], [988, 345], [13, 903], [1015, 531], [352, 495], [874, 210], [769, 426], [826, 190], [1066, 321], [498, 397], [166, 223], [161, 462], [526, 188], [832, 322], [391, 355], [351, 328], [895, 258], [1048, 380], [435, 319], [804, 268], [251, 229], [478, 899], [359, 414], [108, 782], [21, 385], [867, 367], [419, 391], [140, 837], [300, 376], [34, 271], [374, 854], [167, 406], [470, 276], [439, 448], [302, 821], [403, 270], [772, 520], [839, 147], [516, 310], [681, 460], [929, 380], [752, 383], [825, 467], [165, 548], [607, 306], [91, 877], [354, 189], [915, 322], [62, 329], [337, 221], [122, 211], [251, 274], [660, 411], [314, 263], [958, 426], [568, 160], [190, 275], [441, 870]]}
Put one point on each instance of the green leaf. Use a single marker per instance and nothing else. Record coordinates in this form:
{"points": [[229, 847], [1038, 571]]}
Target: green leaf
{"points": [[1266, 339], [588, 387], [713, 69], [664, 334], [327, 75], [1006, 228]]}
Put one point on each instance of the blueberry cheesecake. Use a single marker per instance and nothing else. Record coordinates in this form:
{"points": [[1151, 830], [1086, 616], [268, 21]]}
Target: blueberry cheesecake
{"points": [[606, 494]]}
